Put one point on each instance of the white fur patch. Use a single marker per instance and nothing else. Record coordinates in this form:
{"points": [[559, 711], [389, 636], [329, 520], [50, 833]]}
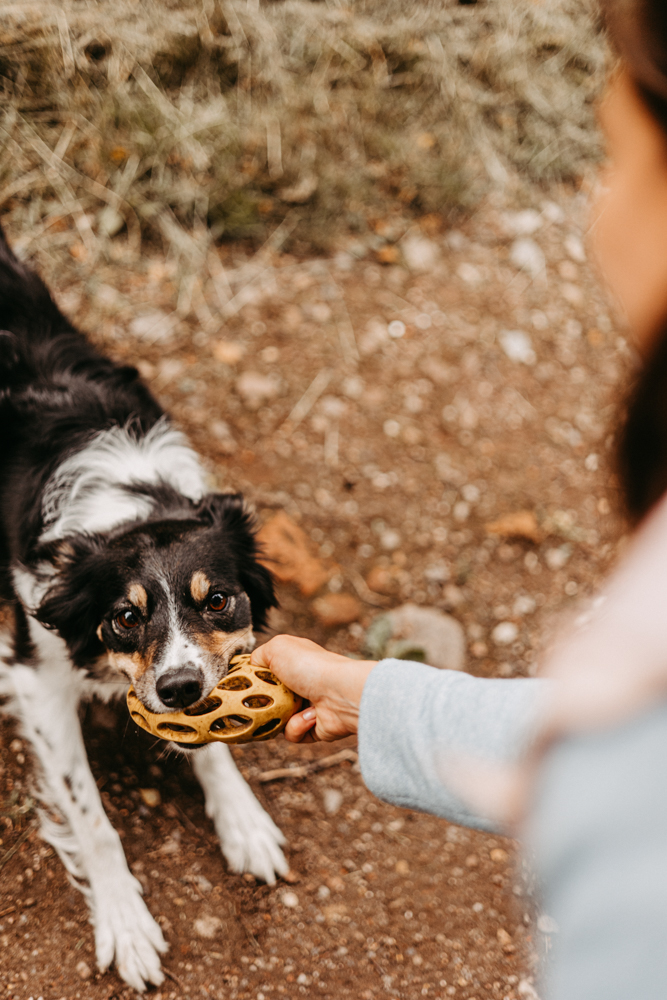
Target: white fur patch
{"points": [[86, 493]]}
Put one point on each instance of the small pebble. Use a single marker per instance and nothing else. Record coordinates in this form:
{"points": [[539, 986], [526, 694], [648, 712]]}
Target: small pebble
{"points": [[151, 797], [83, 970], [207, 926], [333, 800], [504, 633], [290, 900], [518, 347]]}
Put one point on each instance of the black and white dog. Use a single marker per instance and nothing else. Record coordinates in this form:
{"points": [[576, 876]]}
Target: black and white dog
{"points": [[120, 566]]}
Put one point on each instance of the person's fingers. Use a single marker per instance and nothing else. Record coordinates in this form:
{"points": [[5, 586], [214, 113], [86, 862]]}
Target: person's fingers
{"points": [[300, 724]]}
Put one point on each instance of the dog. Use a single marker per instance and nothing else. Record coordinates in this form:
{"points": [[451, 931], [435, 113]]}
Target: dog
{"points": [[120, 566]]}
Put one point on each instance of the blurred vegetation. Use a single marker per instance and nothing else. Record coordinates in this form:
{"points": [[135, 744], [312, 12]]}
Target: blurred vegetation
{"points": [[169, 119]]}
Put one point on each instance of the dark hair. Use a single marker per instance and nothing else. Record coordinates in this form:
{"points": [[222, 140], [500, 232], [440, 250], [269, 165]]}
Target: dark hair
{"points": [[639, 30]]}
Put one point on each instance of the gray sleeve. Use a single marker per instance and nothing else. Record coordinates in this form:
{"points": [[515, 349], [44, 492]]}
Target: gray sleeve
{"points": [[413, 716], [598, 830]]}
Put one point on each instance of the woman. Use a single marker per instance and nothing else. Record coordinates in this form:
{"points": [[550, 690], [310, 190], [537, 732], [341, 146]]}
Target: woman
{"points": [[583, 757]]}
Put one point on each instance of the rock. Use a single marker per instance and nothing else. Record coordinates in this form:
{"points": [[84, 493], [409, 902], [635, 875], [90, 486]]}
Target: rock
{"points": [[256, 389], [419, 253], [518, 524], [557, 558], [153, 326], [285, 551], [396, 329], [499, 856], [547, 924], [110, 221], [411, 632], [518, 346], [228, 351], [390, 540], [527, 256], [469, 273], [402, 867], [150, 797], [207, 926], [290, 900], [574, 248], [337, 609], [383, 579], [333, 800], [83, 970], [505, 633], [523, 223]]}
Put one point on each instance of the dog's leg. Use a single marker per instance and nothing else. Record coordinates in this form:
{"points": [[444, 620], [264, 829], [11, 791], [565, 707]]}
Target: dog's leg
{"points": [[46, 697], [249, 838]]}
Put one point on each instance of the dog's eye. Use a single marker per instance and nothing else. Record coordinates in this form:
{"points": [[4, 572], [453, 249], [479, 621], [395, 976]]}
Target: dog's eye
{"points": [[217, 602], [128, 619]]}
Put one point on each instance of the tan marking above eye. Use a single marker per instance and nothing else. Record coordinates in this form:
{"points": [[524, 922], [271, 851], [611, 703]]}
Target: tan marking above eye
{"points": [[137, 595], [199, 586]]}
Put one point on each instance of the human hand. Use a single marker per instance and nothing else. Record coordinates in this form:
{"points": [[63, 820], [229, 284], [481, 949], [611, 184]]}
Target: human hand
{"points": [[333, 685]]}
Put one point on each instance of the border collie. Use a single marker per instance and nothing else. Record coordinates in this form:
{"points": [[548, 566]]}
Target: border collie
{"points": [[120, 567]]}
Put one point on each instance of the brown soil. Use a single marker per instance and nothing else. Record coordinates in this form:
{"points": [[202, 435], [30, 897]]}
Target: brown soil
{"points": [[385, 902]]}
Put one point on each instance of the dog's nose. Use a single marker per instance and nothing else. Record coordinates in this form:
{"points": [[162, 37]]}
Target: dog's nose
{"points": [[180, 687]]}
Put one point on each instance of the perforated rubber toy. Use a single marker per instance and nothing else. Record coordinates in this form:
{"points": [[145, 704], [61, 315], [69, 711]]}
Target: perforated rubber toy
{"points": [[249, 704]]}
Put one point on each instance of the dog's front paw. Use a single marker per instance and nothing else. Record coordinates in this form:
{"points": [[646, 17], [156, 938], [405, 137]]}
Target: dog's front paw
{"points": [[126, 933], [250, 840]]}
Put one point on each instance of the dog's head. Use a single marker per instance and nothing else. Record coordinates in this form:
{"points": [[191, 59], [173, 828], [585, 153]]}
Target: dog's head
{"points": [[170, 600]]}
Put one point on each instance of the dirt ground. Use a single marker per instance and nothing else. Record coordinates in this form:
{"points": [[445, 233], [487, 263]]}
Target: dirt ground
{"points": [[386, 410]]}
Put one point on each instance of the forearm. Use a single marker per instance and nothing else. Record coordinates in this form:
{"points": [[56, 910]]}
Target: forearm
{"points": [[414, 719]]}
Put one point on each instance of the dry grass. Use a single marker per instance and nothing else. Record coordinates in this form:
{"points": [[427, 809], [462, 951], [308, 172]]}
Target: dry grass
{"points": [[191, 122]]}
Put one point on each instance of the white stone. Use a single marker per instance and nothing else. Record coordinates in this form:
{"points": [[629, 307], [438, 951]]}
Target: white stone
{"points": [[518, 346], [574, 248], [552, 212], [461, 511], [207, 926], [547, 924], [153, 326], [396, 329], [353, 387], [469, 273], [527, 256], [419, 253], [390, 540], [255, 388], [392, 428], [437, 572], [290, 900], [470, 493], [423, 321], [437, 635], [557, 558], [523, 605], [333, 800], [505, 633], [523, 223]]}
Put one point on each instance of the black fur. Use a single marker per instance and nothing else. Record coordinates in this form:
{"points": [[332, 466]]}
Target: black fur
{"points": [[56, 393]]}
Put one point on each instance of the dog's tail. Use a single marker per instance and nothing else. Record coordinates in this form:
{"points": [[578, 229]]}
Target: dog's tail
{"points": [[22, 293], [28, 315]]}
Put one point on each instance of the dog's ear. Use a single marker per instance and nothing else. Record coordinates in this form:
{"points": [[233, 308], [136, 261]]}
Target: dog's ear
{"points": [[73, 604], [229, 513]]}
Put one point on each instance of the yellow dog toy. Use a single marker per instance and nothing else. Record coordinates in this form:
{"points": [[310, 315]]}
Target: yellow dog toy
{"points": [[249, 704]]}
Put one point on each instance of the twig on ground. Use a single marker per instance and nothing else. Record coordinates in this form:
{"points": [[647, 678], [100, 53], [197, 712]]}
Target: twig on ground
{"points": [[14, 848], [315, 765]]}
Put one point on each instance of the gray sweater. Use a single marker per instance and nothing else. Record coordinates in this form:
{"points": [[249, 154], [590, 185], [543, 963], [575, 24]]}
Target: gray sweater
{"points": [[598, 827]]}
